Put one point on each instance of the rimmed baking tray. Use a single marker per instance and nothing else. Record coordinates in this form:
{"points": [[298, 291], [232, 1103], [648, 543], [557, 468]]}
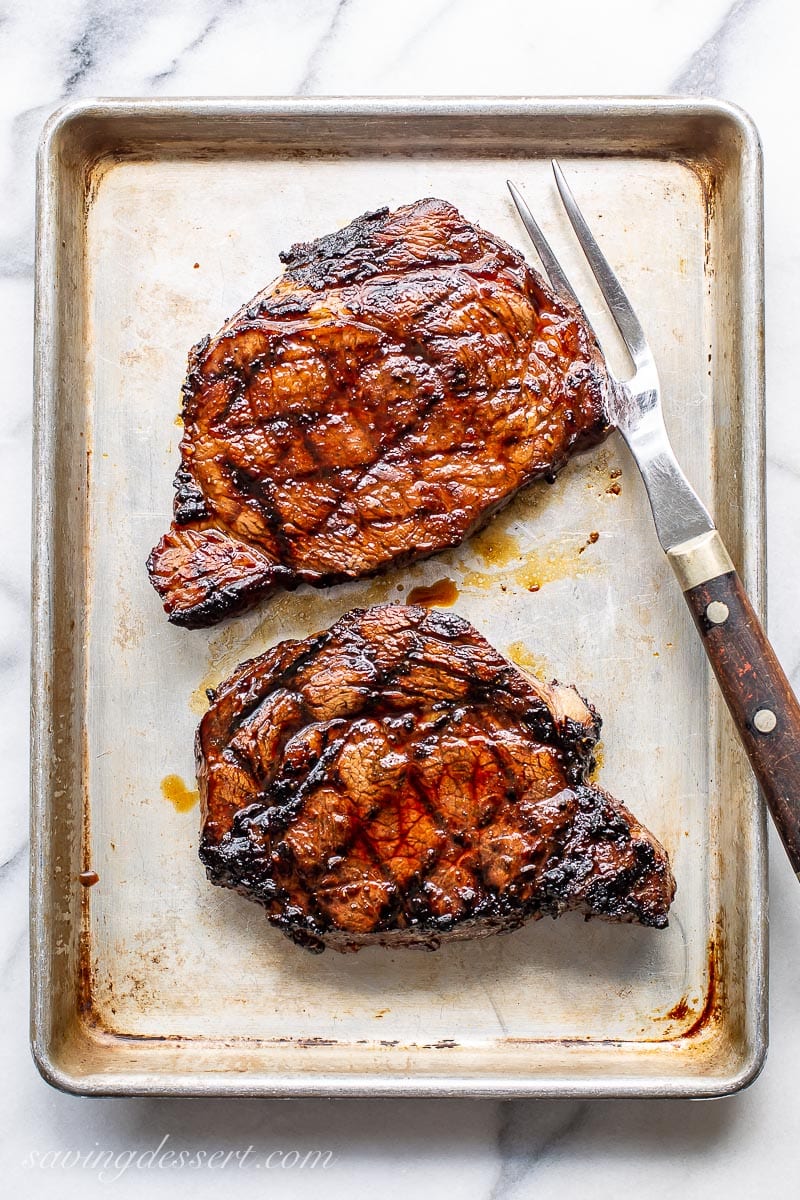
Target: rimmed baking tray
{"points": [[156, 220]]}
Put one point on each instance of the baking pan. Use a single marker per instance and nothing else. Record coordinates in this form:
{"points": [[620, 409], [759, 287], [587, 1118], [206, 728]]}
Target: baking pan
{"points": [[156, 220]]}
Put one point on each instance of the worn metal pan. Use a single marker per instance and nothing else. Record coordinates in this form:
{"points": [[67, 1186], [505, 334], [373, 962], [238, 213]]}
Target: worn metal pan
{"points": [[156, 219]]}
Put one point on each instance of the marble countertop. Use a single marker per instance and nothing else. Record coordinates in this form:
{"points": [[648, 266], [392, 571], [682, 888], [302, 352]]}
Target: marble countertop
{"points": [[744, 51]]}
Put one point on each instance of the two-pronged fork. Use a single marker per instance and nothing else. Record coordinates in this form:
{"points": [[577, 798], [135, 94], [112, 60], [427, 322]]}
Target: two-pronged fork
{"points": [[763, 706]]}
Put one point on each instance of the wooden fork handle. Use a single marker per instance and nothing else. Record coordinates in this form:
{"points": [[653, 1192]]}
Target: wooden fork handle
{"points": [[755, 687]]}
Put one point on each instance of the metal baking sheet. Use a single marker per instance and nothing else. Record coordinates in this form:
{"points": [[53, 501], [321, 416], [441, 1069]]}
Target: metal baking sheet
{"points": [[156, 220]]}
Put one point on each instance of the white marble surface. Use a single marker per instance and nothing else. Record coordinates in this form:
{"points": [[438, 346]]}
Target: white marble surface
{"points": [[50, 52]]}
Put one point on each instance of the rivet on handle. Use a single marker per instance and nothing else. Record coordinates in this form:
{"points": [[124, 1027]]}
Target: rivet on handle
{"points": [[717, 612], [765, 720]]}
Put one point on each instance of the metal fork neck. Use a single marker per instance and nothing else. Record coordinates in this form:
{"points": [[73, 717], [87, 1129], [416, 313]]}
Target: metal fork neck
{"points": [[678, 512]]}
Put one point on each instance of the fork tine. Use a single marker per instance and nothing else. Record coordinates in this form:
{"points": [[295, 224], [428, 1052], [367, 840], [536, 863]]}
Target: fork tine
{"points": [[619, 305], [552, 266]]}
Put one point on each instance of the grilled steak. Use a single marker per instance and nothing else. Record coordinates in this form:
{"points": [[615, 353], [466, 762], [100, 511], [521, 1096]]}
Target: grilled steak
{"points": [[377, 403], [394, 780]]}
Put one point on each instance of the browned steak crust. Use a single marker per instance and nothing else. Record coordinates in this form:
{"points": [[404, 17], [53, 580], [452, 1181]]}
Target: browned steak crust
{"points": [[394, 780], [377, 403]]}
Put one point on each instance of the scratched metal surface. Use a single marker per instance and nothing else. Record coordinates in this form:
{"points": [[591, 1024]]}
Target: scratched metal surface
{"points": [[152, 980]]}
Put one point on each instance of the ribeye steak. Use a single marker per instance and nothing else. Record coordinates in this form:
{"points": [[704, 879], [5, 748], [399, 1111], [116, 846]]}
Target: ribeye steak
{"points": [[395, 780], [377, 403]]}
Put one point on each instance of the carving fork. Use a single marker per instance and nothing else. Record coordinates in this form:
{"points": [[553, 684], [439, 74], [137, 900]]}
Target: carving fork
{"points": [[757, 692]]}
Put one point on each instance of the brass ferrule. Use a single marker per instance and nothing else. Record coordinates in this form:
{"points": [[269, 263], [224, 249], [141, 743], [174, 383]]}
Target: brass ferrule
{"points": [[700, 559]]}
